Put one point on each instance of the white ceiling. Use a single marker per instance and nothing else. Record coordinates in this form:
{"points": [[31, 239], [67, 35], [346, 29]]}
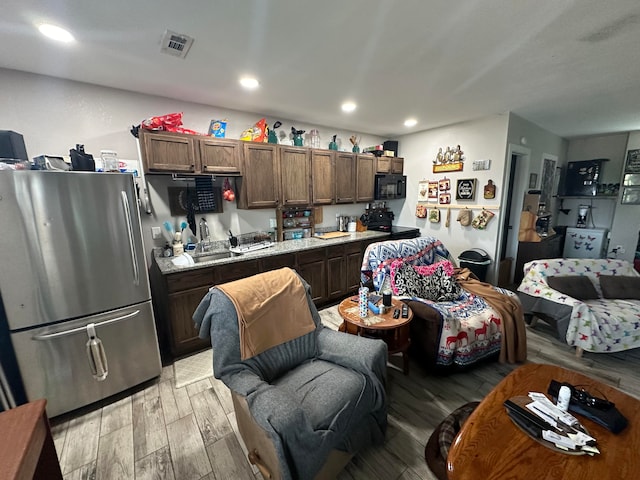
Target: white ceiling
{"points": [[572, 67]]}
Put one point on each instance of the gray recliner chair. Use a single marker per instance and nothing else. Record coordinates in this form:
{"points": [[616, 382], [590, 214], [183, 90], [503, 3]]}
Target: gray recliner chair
{"points": [[303, 407]]}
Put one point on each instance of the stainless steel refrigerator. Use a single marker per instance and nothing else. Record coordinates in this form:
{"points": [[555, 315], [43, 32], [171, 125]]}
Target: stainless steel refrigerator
{"points": [[74, 285]]}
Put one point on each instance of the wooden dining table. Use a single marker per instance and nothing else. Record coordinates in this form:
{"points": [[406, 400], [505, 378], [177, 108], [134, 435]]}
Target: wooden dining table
{"points": [[27, 450], [490, 446]]}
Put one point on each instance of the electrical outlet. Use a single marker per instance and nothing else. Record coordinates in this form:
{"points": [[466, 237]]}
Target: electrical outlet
{"points": [[156, 232]]}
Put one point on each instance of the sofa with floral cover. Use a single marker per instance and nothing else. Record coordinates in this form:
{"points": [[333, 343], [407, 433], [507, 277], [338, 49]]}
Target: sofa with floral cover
{"points": [[594, 303], [457, 320]]}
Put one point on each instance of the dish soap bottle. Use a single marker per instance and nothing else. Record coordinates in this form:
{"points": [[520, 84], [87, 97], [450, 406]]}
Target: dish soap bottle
{"points": [[178, 248]]}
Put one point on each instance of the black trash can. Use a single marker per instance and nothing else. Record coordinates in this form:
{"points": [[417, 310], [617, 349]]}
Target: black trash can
{"points": [[476, 260]]}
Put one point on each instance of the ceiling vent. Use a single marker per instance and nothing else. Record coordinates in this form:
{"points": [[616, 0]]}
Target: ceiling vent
{"points": [[175, 44]]}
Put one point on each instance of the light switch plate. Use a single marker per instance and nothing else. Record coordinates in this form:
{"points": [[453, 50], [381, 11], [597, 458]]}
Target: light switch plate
{"points": [[156, 232]]}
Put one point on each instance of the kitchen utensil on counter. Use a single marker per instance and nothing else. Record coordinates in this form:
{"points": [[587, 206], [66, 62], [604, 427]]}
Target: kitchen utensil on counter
{"points": [[233, 240], [168, 231]]}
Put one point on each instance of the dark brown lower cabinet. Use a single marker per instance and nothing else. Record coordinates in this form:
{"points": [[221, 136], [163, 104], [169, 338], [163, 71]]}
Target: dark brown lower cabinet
{"points": [[312, 266], [332, 272], [184, 335]]}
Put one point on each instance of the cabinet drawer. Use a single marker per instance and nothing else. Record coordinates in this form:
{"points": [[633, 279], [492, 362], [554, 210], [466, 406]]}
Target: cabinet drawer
{"points": [[235, 271], [352, 247], [335, 251], [192, 279], [277, 261], [311, 256]]}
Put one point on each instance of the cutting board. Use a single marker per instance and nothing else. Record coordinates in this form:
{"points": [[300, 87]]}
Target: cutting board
{"points": [[329, 235]]}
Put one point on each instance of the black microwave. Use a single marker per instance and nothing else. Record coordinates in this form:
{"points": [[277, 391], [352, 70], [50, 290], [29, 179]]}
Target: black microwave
{"points": [[389, 187]]}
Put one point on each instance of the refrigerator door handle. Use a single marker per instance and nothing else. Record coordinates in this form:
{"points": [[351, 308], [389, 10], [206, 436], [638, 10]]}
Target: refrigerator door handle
{"points": [[96, 354], [80, 329], [132, 244]]}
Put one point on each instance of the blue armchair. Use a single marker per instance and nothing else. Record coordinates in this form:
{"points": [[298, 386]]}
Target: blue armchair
{"points": [[303, 407]]}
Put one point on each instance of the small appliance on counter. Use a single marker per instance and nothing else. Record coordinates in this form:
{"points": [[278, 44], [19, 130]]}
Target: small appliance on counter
{"points": [[583, 216], [379, 218]]}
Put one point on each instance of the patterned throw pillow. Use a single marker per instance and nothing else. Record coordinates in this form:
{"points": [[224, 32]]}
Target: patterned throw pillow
{"points": [[439, 286], [421, 269]]}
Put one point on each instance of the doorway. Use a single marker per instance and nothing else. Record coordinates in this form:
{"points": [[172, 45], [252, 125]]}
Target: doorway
{"points": [[516, 185]]}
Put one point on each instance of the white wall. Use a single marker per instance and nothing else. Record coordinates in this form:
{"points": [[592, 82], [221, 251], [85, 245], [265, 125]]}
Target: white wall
{"points": [[540, 143], [480, 139], [626, 224], [53, 115]]}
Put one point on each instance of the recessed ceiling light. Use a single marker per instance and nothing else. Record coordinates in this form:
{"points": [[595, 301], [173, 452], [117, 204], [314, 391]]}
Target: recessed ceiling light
{"points": [[56, 33], [348, 107], [249, 83], [410, 122]]}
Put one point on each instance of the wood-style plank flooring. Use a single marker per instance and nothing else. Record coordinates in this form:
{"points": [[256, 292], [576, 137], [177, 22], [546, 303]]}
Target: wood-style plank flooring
{"points": [[189, 433]]}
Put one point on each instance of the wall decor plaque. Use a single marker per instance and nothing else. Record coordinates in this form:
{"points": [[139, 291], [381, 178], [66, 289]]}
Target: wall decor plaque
{"points": [[633, 162], [466, 189]]}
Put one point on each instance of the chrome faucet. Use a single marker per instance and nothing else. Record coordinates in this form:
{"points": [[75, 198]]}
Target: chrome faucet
{"points": [[205, 237]]}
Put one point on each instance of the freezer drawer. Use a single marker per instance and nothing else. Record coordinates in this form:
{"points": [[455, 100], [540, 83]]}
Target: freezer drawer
{"points": [[54, 362]]}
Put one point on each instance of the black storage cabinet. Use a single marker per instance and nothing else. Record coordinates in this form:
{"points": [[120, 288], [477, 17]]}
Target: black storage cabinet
{"points": [[476, 260]]}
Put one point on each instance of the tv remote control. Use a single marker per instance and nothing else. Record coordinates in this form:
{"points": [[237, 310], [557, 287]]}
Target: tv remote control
{"points": [[405, 311]]}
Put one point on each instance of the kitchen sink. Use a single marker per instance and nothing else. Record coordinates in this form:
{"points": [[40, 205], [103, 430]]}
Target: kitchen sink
{"points": [[213, 256]]}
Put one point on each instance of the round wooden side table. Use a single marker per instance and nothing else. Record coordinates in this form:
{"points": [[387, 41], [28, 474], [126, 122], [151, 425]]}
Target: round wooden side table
{"points": [[393, 331]]}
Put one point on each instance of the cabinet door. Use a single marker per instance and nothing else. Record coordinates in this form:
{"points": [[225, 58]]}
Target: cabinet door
{"points": [[353, 264], [312, 266], [165, 152], [397, 165], [383, 165], [235, 271], [336, 271], [295, 176], [184, 335], [259, 184], [323, 176], [219, 156], [365, 178], [345, 178]]}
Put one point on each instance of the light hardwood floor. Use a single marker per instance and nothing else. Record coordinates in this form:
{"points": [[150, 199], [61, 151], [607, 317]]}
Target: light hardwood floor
{"points": [[163, 432]]}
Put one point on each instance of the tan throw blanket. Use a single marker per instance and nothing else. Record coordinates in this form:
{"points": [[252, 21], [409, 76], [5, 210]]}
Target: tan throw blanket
{"points": [[514, 336], [272, 309]]}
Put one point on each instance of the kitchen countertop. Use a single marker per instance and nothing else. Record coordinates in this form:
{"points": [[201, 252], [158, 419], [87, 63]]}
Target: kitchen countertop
{"points": [[288, 246]]}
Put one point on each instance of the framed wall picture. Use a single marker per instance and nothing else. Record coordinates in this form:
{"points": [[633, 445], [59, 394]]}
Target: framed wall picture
{"points": [[433, 191], [423, 190], [465, 189], [631, 180], [633, 162], [630, 195]]}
